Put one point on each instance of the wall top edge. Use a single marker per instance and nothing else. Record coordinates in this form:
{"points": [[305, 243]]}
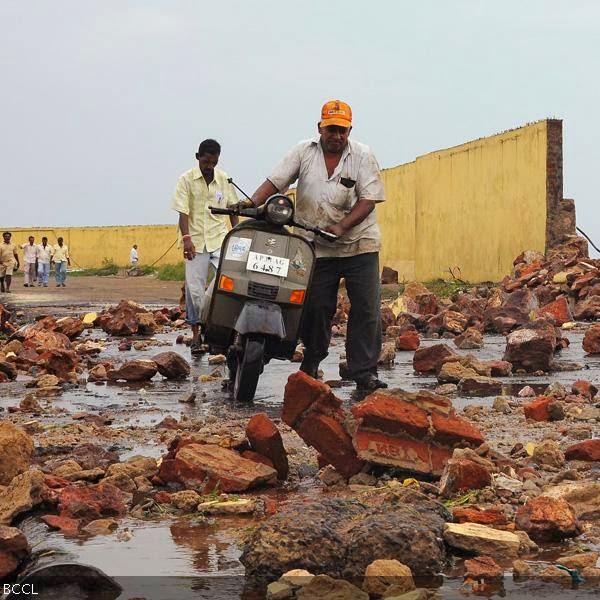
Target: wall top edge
{"points": [[51, 228], [457, 147]]}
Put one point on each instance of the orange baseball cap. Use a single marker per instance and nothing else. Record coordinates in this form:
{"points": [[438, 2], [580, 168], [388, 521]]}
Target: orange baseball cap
{"points": [[336, 112]]}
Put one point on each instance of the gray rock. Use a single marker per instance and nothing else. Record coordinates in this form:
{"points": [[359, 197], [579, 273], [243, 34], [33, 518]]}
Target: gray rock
{"points": [[342, 537]]}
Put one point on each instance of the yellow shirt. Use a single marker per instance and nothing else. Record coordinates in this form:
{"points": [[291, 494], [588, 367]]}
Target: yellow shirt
{"points": [[60, 253], [7, 254], [193, 197]]}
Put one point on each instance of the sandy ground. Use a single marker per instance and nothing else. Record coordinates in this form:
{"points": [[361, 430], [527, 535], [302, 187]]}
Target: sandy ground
{"points": [[93, 292]]}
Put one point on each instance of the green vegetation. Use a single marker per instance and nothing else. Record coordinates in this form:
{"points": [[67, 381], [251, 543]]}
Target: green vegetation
{"points": [[441, 288], [445, 289], [109, 267], [171, 272], [177, 272]]}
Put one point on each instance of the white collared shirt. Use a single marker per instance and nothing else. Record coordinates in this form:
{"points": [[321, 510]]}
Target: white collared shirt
{"points": [[323, 201], [29, 253], [44, 253]]}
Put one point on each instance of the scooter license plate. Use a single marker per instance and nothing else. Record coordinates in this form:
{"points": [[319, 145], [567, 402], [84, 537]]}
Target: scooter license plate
{"points": [[266, 263]]}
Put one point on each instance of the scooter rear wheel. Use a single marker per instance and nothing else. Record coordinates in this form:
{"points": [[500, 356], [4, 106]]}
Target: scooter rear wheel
{"points": [[249, 367]]}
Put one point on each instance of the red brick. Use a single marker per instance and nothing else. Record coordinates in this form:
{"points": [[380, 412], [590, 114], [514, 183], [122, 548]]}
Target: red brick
{"points": [[439, 457], [54, 482], [500, 368], [389, 414], [408, 340], [471, 514], [430, 359], [427, 304], [66, 525], [329, 438], [169, 472], [257, 458], [461, 475], [431, 402], [452, 430], [384, 449], [591, 339], [162, 497], [547, 519], [483, 568], [302, 392], [202, 466], [92, 502], [265, 439], [588, 450], [559, 310], [538, 409], [584, 388]]}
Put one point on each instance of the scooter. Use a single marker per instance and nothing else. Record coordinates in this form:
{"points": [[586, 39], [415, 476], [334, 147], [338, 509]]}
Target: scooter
{"points": [[254, 306]]}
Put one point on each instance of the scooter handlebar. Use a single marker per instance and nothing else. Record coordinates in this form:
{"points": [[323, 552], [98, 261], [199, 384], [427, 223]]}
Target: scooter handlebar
{"points": [[330, 237], [234, 210], [215, 210]]}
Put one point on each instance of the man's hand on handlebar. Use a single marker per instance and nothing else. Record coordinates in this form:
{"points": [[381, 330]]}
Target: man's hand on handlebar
{"points": [[338, 229], [242, 204]]}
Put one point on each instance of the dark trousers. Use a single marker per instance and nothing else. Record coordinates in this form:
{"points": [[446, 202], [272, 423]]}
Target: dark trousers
{"points": [[363, 340]]}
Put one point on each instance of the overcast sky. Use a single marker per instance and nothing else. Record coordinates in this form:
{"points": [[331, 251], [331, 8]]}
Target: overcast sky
{"points": [[103, 103]]}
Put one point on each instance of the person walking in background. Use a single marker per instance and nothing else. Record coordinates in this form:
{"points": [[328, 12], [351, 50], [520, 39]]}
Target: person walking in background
{"points": [[29, 258], [201, 232], [44, 254], [133, 260], [8, 260], [133, 256], [60, 256]]}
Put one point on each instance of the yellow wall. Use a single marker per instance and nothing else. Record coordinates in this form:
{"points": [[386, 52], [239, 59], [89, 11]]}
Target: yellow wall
{"points": [[88, 246], [472, 208]]}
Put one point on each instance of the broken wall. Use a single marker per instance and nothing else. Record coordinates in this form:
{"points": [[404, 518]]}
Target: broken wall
{"points": [[472, 208]]}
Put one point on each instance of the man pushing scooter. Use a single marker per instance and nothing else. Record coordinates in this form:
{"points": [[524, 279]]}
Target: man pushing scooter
{"points": [[339, 184]]}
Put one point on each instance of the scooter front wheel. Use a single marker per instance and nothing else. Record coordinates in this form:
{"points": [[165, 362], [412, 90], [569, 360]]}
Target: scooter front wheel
{"points": [[249, 367]]}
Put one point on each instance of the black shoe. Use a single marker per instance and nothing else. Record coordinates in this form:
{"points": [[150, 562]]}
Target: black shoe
{"points": [[369, 383], [310, 369], [197, 348]]}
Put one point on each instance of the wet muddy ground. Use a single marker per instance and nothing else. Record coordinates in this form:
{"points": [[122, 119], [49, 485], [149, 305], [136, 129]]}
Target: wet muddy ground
{"points": [[188, 549]]}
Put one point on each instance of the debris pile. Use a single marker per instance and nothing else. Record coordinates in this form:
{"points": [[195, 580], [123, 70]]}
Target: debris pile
{"points": [[198, 463], [128, 318], [412, 431]]}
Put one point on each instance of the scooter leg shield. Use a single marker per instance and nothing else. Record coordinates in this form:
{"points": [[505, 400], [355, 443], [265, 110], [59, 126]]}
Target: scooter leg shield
{"points": [[261, 318]]}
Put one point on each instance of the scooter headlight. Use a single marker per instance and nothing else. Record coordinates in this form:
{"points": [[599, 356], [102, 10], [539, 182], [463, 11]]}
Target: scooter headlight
{"points": [[279, 210]]}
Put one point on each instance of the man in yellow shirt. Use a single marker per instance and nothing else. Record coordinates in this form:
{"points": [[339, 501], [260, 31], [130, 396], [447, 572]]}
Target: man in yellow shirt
{"points": [[8, 259], [61, 258], [200, 231]]}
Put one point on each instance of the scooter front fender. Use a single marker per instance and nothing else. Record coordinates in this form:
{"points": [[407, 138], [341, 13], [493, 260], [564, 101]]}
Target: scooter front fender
{"points": [[263, 318]]}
